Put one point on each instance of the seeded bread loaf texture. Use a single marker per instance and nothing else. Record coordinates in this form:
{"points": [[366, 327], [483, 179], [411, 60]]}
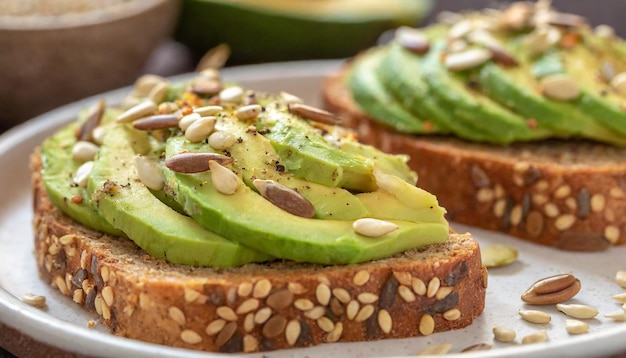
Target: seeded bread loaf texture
{"points": [[563, 193], [257, 307]]}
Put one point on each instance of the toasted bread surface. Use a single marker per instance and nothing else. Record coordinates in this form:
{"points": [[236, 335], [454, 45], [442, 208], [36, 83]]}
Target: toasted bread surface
{"points": [[256, 307], [563, 193]]}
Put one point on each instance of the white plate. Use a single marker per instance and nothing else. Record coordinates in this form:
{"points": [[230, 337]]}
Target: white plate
{"points": [[64, 325]]}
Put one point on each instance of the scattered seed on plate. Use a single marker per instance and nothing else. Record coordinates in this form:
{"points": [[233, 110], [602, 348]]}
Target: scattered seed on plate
{"points": [[439, 349], [620, 297], [504, 335], [578, 310], [619, 315], [535, 316], [535, 337], [574, 326], [34, 300]]}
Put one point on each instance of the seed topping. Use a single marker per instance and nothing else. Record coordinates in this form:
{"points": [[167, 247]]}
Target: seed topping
{"points": [[158, 121], [373, 227], [552, 289], [224, 180], [195, 162], [285, 198], [312, 113], [34, 300], [578, 310], [140, 110]]}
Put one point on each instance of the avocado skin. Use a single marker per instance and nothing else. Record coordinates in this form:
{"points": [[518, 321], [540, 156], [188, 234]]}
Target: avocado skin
{"points": [[58, 167], [128, 205], [263, 35]]}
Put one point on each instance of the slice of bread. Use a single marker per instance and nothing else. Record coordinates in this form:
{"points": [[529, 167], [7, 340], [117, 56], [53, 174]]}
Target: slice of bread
{"points": [[569, 194], [257, 307]]}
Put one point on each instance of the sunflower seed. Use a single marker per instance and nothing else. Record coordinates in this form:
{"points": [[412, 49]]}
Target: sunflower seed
{"points": [[140, 110], [439, 349], [578, 310], [187, 120], [149, 172], [195, 162], [248, 112], [534, 316], [84, 151], [82, 174], [34, 300], [159, 92], [285, 198], [560, 87], [158, 121], [312, 113], [289, 98], [619, 315], [535, 337], [412, 40], [223, 179], [221, 140], [200, 129], [574, 326], [373, 227], [464, 60], [504, 335], [231, 94]]}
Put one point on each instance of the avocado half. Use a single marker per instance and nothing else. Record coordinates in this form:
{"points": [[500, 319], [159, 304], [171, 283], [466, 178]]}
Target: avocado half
{"points": [[283, 30]]}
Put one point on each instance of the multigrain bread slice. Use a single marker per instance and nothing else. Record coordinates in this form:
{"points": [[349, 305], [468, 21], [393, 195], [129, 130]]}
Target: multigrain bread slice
{"points": [[257, 307], [567, 194]]}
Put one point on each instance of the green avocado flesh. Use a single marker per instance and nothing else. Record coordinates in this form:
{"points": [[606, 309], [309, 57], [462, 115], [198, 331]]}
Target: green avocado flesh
{"points": [[58, 168], [505, 97], [190, 219]]}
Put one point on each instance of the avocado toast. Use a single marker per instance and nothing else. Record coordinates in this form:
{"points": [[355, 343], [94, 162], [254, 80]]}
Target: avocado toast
{"points": [[237, 221], [513, 117]]}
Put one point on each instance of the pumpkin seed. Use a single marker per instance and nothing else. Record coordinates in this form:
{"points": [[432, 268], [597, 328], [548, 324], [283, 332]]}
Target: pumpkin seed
{"points": [[498, 255], [553, 289]]}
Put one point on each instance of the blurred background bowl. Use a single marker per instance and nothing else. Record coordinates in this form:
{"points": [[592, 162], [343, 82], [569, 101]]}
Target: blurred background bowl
{"points": [[53, 52]]}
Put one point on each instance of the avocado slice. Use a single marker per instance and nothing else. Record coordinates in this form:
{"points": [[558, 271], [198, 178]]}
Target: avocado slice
{"points": [[282, 30], [256, 159], [58, 168], [120, 198], [370, 95], [401, 74], [306, 154], [247, 217], [502, 125]]}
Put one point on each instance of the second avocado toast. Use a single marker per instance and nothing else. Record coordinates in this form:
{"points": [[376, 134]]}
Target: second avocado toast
{"points": [[524, 103]]}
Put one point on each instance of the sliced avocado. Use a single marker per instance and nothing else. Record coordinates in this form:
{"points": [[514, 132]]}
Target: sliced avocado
{"points": [[395, 164], [281, 30], [248, 218], [306, 154], [256, 159], [58, 168], [127, 204], [596, 99], [473, 108], [370, 95], [514, 88], [400, 72]]}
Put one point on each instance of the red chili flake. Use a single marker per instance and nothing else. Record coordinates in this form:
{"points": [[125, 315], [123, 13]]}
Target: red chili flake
{"points": [[531, 123]]}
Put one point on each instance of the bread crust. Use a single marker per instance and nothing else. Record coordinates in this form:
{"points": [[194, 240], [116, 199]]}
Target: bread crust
{"points": [[257, 307], [567, 194]]}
